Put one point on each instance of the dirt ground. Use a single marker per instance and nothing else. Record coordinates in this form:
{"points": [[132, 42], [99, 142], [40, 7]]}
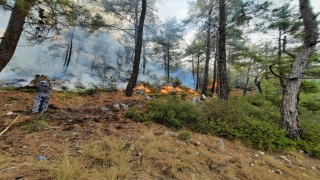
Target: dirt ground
{"points": [[73, 120]]}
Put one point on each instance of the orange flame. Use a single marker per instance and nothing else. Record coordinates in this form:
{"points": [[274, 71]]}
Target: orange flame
{"points": [[192, 92], [215, 84], [179, 89], [141, 87], [166, 89]]}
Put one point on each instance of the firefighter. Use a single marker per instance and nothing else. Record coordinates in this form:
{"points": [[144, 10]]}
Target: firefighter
{"points": [[42, 97]]}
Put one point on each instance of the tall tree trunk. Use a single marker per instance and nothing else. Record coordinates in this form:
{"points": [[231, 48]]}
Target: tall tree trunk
{"points": [[280, 68], [214, 79], [208, 48], [137, 55], [193, 70], [289, 106], [198, 67], [168, 60], [69, 52], [215, 69], [144, 58], [13, 32], [247, 78], [222, 63], [258, 83], [136, 21]]}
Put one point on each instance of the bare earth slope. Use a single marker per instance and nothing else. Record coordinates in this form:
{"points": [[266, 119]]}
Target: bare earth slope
{"points": [[88, 137]]}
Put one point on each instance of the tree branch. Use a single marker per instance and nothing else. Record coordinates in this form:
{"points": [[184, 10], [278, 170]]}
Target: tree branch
{"points": [[314, 43], [284, 48], [282, 77], [6, 7], [152, 8]]}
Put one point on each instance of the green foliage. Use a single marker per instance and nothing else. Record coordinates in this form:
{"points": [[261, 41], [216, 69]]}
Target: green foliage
{"points": [[8, 88], [172, 112], [252, 119], [76, 92], [310, 101], [37, 123], [26, 90], [183, 96], [237, 119], [175, 81], [310, 86], [310, 139], [11, 98], [209, 93], [185, 135], [135, 114]]}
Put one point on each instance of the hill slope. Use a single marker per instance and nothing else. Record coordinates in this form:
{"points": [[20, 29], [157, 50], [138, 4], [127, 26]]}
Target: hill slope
{"points": [[88, 137]]}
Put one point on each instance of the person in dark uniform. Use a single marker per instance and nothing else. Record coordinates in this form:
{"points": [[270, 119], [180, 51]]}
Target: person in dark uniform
{"points": [[41, 99]]}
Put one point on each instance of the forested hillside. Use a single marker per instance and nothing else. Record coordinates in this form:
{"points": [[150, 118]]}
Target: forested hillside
{"points": [[241, 70]]}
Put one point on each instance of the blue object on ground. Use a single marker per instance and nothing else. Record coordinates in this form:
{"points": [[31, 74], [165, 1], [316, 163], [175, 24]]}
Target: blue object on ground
{"points": [[41, 158]]}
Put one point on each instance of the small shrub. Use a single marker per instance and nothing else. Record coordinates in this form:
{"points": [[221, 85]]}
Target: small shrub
{"points": [[176, 82], [311, 105], [37, 123], [83, 92], [172, 112], [148, 123], [310, 101], [308, 86], [27, 90], [8, 88], [310, 139], [238, 119], [209, 93], [11, 98], [135, 114], [185, 135], [184, 96]]}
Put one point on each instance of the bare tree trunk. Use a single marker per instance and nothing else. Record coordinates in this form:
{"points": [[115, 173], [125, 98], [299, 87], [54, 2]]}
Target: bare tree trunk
{"points": [[214, 79], [247, 78], [136, 21], [193, 70], [281, 73], [168, 60], [13, 32], [222, 63], [258, 83], [206, 66], [144, 58], [289, 106], [137, 55], [198, 67], [69, 52], [215, 69]]}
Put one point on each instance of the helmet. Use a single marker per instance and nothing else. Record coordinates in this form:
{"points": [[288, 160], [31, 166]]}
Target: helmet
{"points": [[43, 83]]}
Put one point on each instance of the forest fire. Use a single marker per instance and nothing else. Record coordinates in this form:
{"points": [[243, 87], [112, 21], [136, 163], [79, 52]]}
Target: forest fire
{"points": [[211, 83], [163, 89], [167, 89], [142, 87], [192, 92]]}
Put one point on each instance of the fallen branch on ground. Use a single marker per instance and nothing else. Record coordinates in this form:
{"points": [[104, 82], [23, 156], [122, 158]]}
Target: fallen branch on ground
{"points": [[9, 125]]}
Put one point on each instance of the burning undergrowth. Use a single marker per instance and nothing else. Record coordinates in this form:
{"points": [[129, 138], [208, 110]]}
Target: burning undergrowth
{"points": [[70, 84]]}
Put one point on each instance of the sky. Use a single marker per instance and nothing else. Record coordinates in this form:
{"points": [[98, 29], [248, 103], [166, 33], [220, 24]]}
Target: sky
{"points": [[179, 8]]}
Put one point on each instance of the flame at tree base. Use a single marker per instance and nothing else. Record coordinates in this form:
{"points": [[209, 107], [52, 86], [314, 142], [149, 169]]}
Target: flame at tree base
{"points": [[163, 89]]}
